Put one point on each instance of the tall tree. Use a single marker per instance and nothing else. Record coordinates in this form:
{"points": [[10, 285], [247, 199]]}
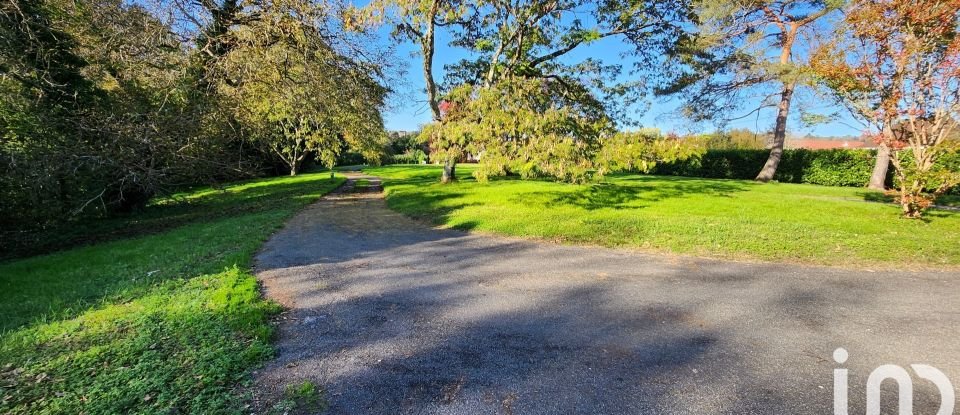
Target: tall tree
{"points": [[296, 94], [520, 43], [535, 39], [741, 50], [417, 21], [524, 103], [897, 64], [90, 119]]}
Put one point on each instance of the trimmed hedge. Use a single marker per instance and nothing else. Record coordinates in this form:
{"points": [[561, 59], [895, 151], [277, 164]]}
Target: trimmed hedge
{"points": [[836, 167]]}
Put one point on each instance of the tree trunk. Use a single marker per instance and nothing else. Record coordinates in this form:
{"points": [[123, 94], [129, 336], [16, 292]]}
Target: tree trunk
{"points": [[780, 130], [779, 135], [449, 171], [295, 166], [909, 202], [879, 176], [427, 48]]}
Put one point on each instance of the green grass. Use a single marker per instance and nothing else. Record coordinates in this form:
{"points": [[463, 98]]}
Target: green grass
{"points": [[718, 218], [161, 214], [304, 397], [167, 322]]}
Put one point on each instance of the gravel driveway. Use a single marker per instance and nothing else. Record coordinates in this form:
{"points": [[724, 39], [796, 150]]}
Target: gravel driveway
{"points": [[390, 316]]}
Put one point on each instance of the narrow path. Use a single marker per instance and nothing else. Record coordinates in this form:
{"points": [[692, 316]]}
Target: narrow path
{"points": [[391, 316]]}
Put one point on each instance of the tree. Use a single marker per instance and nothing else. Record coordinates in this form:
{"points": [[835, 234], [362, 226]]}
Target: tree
{"points": [[531, 38], [642, 150], [515, 127], [523, 104], [90, 117], [417, 21], [106, 103], [298, 96], [741, 48], [516, 44], [897, 64]]}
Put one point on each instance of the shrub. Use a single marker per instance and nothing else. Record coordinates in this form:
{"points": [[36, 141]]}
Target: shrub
{"points": [[947, 161], [839, 167], [414, 156]]}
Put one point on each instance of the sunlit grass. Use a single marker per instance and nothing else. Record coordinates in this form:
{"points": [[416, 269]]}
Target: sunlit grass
{"points": [[168, 322], [718, 218]]}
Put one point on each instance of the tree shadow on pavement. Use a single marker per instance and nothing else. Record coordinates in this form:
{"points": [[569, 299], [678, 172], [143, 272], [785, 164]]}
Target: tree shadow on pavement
{"points": [[394, 317]]}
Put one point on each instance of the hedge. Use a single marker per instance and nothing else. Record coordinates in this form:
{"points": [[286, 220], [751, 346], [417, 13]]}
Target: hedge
{"points": [[837, 167]]}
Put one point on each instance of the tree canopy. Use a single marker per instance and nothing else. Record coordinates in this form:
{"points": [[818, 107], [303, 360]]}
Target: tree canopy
{"points": [[896, 64], [104, 104], [107, 103]]}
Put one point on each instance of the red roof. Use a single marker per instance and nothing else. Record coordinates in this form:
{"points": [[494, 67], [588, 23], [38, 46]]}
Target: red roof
{"points": [[814, 144]]}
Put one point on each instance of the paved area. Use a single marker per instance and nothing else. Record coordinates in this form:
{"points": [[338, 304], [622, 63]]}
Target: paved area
{"points": [[392, 316]]}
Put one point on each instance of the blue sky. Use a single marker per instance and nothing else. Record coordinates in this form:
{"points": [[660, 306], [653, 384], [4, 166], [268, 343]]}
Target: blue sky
{"points": [[409, 108]]}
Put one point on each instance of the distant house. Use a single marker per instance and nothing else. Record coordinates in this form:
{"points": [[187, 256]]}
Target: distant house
{"points": [[824, 144]]}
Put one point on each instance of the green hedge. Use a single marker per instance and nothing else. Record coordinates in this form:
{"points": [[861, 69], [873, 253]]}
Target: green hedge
{"points": [[837, 167], [825, 167]]}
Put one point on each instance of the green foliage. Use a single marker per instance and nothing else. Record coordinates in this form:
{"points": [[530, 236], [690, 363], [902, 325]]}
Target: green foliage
{"points": [[304, 396], [642, 150], [829, 167], [837, 167], [170, 322], [299, 96], [737, 138], [944, 173], [739, 219], [824, 167], [132, 125], [105, 104], [414, 156], [406, 148], [548, 108], [517, 126]]}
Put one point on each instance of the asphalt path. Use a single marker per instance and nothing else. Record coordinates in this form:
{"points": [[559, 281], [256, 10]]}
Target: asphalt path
{"points": [[389, 315]]}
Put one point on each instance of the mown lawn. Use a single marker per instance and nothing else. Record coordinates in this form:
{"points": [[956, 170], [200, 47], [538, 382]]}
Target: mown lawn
{"points": [[167, 322], [718, 218]]}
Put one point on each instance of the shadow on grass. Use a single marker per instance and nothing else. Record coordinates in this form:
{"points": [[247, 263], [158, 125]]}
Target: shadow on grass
{"points": [[945, 206], [170, 213], [125, 257], [427, 204], [876, 196], [431, 205], [637, 192]]}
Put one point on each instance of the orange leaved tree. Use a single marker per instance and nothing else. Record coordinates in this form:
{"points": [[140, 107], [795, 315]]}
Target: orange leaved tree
{"points": [[897, 66]]}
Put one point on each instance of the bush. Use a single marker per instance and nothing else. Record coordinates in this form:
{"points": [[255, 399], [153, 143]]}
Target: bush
{"points": [[414, 156], [839, 167], [948, 161], [951, 162]]}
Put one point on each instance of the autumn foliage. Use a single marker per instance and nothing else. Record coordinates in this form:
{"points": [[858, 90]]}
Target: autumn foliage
{"points": [[897, 66]]}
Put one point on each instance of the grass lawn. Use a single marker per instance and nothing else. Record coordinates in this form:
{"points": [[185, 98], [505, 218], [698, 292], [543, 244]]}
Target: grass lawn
{"points": [[170, 321], [718, 218]]}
